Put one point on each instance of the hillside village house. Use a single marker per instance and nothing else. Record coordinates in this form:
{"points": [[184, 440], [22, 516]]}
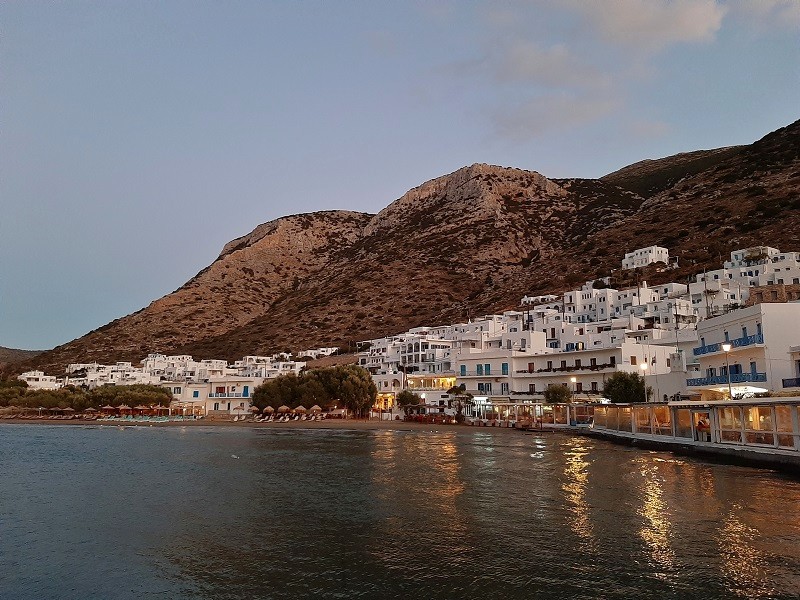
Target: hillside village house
{"points": [[577, 339], [584, 336], [645, 256], [760, 342]]}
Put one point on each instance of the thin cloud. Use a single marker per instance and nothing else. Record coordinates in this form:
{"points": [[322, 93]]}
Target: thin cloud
{"points": [[556, 66], [768, 14], [551, 112], [652, 25]]}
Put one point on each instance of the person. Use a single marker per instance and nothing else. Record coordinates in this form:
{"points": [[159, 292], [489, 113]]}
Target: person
{"points": [[703, 429]]}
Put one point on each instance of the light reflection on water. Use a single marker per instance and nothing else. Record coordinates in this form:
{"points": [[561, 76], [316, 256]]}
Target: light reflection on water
{"points": [[137, 513]]}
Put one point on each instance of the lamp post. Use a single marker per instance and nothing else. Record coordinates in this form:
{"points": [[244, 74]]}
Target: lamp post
{"points": [[643, 367], [573, 379], [727, 348]]}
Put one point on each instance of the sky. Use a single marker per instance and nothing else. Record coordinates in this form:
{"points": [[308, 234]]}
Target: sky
{"points": [[137, 138]]}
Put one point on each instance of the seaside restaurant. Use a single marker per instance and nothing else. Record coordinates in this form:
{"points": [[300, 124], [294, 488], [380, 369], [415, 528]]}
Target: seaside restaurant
{"points": [[767, 424]]}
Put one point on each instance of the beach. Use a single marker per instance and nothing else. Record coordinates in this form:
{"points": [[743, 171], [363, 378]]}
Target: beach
{"points": [[344, 424]]}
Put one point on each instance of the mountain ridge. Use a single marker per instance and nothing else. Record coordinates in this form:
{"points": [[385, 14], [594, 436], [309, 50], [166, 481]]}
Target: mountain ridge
{"points": [[470, 242]]}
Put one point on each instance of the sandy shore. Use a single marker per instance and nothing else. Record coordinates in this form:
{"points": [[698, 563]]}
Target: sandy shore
{"points": [[352, 424]]}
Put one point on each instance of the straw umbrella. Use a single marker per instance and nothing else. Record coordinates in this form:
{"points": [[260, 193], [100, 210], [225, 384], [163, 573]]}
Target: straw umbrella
{"points": [[283, 409], [254, 409], [315, 409], [269, 409], [300, 409]]}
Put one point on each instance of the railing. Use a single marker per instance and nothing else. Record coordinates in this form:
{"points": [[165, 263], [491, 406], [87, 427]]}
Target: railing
{"points": [[723, 379], [747, 340], [229, 395], [794, 382], [567, 369]]}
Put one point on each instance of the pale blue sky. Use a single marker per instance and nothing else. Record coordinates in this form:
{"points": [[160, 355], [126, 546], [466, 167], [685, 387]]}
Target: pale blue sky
{"points": [[138, 137]]}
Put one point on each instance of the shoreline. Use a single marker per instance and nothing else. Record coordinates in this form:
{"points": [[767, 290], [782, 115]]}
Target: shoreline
{"points": [[343, 424]]}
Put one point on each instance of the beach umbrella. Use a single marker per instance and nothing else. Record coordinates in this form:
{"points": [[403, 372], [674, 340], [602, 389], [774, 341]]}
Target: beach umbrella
{"points": [[124, 407], [159, 408], [268, 409], [316, 408], [40, 409], [55, 409], [300, 409], [68, 409], [90, 409], [284, 409], [108, 407], [254, 408]]}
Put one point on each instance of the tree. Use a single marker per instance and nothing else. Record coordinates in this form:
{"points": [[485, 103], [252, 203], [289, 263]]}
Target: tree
{"points": [[557, 394], [627, 388], [407, 398]]}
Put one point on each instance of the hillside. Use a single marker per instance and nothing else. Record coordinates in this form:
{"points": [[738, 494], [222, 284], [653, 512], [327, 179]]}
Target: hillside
{"points": [[11, 355], [467, 243]]}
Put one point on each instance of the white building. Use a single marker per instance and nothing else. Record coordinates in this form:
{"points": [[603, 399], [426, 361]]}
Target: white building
{"points": [[645, 256], [762, 357], [37, 380]]}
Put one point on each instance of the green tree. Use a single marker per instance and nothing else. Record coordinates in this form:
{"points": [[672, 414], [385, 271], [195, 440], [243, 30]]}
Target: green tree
{"points": [[407, 398], [557, 394], [627, 388], [283, 390]]}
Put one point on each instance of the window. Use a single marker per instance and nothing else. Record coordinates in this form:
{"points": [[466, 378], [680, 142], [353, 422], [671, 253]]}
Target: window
{"points": [[613, 361], [531, 388], [549, 365], [634, 360], [531, 367], [479, 369], [563, 364], [578, 363], [463, 370], [504, 368], [176, 390], [594, 386], [195, 394], [487, 369], [504, 389], [578, 387]]}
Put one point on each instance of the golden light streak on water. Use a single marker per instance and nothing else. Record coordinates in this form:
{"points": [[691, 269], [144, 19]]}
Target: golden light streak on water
{"points": [[656, 530], [742, 564], [577, 478]]}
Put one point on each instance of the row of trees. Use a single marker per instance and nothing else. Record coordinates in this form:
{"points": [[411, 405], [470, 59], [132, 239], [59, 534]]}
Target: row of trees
{"points": [[621, 387], [17, 393], [344, 386]]}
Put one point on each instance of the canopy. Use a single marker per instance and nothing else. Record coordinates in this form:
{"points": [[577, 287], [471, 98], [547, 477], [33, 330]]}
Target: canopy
{"points": [[284, 408], [268, 409], [316, 408], [68, 409], [300, 409]]}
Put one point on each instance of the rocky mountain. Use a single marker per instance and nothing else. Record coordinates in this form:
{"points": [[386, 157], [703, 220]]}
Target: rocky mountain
{"points": [[12, 355], [468, 243]]}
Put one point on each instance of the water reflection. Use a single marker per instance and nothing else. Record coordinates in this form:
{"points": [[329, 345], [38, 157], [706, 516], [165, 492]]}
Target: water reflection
{"points": [[574, 487], [434, 515], [743, 565], [656, 530]]}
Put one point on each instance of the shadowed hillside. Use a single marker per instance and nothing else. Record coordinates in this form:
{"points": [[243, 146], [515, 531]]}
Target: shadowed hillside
{"points": [[471, 242]]}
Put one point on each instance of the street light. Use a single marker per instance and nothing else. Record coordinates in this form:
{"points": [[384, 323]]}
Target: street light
{"points": [[573, 379], [643, 367], [727, 348]]}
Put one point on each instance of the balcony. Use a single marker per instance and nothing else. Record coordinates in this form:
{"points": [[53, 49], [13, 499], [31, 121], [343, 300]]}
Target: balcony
{"points": [[790, 383], [748, 340], [723, 379], [229, 395]]}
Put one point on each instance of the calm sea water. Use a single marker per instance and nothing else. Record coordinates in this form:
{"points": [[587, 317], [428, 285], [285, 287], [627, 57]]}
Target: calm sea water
{"points": [[107, 512]]}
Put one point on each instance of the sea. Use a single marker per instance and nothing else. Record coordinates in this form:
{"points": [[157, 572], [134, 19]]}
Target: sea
{"points": [[230, 512]]}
